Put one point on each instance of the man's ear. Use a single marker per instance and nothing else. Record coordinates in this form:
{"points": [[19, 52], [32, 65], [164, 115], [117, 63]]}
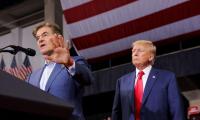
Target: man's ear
{"points": [[151, 58]]}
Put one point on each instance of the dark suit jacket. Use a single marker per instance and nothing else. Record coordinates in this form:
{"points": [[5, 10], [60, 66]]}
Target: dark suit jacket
{"points": [[161, 99], [64, 86]]}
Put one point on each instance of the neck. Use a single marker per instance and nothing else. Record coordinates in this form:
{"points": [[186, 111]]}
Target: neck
{"points": [[141, 67]]}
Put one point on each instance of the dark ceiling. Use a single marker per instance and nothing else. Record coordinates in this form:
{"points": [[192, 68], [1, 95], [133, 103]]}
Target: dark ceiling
{"points": [[19, 13], [9, 3]]}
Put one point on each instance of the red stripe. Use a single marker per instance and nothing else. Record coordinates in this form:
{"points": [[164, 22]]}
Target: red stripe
{"points": [[21, 69], [29, 69], [185, 37], [24, 68], [92, 8], [15, 71], [21, 75], [167, 16]]}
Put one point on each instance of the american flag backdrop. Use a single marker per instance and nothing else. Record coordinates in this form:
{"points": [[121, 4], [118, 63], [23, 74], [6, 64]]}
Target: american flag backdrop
{"points": [[20, 71], [14, 70], [26, 67], [99, 28]]}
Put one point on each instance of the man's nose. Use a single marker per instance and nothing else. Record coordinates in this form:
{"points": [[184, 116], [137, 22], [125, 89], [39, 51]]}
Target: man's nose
{"points": [[40, 40], [135, 53]]}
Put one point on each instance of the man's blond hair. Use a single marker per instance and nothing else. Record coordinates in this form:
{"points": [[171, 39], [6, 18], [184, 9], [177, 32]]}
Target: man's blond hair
{"points": [[148, 45]]}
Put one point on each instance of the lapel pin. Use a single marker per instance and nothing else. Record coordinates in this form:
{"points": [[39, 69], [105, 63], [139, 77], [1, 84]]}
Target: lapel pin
{"points": [[154, 77]]}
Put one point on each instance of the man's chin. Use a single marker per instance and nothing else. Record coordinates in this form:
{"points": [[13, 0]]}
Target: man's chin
{"points": [[138, 65]]}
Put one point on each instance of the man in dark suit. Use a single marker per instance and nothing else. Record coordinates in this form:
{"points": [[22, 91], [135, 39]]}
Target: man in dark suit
{"points": [[62, 75], [147, 93]]}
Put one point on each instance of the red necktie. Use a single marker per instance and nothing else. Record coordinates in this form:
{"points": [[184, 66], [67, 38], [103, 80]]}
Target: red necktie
{"points": [[138, 95]]}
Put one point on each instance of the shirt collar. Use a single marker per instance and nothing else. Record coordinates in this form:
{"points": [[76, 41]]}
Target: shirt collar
{"points": [[47, 63], [146, 70]]}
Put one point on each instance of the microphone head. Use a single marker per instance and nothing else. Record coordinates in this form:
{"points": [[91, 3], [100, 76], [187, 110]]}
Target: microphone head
{"points": [[30, 52]]}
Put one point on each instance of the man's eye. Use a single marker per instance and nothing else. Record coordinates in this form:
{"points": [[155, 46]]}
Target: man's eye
{"points": [[37, 38], [45, 34]]}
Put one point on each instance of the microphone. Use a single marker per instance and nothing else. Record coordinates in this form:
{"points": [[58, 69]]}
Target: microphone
{"points": [[27, 51]]}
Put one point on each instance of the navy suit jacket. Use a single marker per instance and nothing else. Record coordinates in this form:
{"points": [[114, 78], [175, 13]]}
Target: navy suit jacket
{"points": [[161, 98], [61, 84]]}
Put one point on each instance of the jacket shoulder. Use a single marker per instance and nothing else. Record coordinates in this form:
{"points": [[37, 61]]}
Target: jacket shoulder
{"points": [[163, 71], [126, 76]]}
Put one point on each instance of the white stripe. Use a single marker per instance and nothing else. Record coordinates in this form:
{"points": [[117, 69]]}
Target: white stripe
{"points": [[67, 4], [119, 15], [164, 32]]}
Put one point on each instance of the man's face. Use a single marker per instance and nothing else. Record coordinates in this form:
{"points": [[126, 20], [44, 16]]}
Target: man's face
{"points": [[141, 56], [45, 38]]}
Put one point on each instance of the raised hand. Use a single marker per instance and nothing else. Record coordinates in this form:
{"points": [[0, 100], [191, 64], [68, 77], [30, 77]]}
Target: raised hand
{"points": [[61, 53]]}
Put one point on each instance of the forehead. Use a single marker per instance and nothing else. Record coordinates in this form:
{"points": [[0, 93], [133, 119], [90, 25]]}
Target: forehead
{"points": [[43, 30], [142, 47]]}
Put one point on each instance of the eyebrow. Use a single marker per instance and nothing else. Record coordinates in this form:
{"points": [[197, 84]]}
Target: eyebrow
{"points": [[40, 34]]}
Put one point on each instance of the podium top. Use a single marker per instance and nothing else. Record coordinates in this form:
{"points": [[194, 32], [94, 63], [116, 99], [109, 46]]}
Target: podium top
{"points": [[18, 95]]}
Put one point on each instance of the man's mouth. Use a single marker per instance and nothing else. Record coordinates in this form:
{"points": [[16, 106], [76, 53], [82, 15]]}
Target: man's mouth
{"points": [[42, 45]]}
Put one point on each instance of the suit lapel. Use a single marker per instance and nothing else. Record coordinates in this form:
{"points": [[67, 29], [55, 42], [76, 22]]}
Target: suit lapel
{"points": [[56, 70], [36, 79], [150, 82], [130, 87]]}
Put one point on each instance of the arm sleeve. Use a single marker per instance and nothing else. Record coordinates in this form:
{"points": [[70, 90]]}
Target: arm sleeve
{"points": [[116, 109], [82, 73]]}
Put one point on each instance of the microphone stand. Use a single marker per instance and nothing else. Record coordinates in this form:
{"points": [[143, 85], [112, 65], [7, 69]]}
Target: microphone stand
{"points": [[14, 52]]}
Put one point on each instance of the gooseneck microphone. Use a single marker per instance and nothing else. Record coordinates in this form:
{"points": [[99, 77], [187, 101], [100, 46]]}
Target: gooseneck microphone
{"points": [[10, 51], [27, 51]]}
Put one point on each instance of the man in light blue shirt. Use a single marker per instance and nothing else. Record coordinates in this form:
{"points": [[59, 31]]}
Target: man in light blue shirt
{"points": [[63, 76]]}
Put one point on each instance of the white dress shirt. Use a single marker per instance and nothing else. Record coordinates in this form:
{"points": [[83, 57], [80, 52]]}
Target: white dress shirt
{"points": [[46, 73], [48, 70], [145, 76]]}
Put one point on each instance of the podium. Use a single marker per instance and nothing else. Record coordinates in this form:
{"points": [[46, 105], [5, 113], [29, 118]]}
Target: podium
{"points": [[19, 99]]}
